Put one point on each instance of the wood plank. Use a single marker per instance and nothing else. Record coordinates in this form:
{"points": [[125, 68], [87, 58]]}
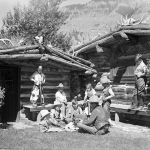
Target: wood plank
{"points": [[46, 70], [126, 109], [45, 87]]}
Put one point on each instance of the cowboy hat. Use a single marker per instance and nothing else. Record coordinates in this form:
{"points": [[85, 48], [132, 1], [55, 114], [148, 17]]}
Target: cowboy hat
{"points": [[56, 104], [104, 79], [99, 87], [94, 99], [44, 113], [60, 85], [137, 57], [105, 74]]}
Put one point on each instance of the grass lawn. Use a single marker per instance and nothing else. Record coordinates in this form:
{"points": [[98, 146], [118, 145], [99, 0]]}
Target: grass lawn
{"points": [[31, 138]]}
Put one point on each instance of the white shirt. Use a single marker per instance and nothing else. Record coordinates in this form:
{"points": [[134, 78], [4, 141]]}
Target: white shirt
{"points": [[60, 97], [140, 68]]}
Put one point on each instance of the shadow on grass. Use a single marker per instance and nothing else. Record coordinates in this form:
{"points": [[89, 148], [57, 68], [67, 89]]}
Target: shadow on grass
{"points": [[5, 126]]}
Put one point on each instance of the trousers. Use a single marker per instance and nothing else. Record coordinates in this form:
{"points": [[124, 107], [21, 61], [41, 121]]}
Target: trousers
{"points": [[92, 130]]}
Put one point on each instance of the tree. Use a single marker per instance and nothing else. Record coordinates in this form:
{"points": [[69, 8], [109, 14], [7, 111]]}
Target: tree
{"points": [[39, 17]]}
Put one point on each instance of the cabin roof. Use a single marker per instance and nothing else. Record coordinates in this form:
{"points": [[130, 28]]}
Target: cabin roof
{"points": [[125, 34], [40, 54]]}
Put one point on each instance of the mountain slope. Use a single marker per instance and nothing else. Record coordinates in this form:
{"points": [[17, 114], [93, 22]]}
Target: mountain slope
{"points": [[98, 17]]}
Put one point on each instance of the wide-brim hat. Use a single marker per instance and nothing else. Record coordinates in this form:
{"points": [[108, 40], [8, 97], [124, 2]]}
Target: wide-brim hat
{"points": [[60, 85], [99, 87], [104, 79], [56, 104], [94, 99], [44, 113], [107, 74], [137, 57]]}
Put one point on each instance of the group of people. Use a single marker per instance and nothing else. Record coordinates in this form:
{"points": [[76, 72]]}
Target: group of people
{"points": [[91, 115]]}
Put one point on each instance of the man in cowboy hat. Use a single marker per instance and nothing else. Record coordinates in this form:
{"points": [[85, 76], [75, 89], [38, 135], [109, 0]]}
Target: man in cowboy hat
{"points": [[140, 83], [107, 94], [98, 121], [60, 97]]}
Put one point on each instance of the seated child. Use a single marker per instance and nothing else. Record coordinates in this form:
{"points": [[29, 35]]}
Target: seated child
{"points": [[75, 112], [46, 122], [57, 114]]}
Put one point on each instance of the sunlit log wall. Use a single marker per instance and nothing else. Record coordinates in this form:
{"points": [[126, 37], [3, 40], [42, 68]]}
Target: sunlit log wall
{"points": [[102, 65], [54, 76], [122, 70]]}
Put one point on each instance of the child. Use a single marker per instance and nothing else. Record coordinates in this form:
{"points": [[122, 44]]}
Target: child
{"points": [[88, 93], [75, 112], [56, 113], [107, 94], [46, 122], [99, 90]]}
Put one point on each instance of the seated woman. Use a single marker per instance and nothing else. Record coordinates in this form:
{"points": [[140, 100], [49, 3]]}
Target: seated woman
{"points": [[75, 112], [46, 121], [98, 121], [88, 93], [60, 97]]}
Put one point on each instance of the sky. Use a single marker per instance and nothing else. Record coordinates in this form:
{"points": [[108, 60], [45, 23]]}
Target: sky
{"points": [[7, 5]]}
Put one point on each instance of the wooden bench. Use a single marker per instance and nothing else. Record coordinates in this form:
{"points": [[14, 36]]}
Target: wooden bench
{"points": [[31, 112], [121, 110]]}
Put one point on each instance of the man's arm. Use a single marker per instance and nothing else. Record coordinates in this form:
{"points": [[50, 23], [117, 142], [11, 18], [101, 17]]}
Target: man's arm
{"points": [[32, 78], [92, 118]]}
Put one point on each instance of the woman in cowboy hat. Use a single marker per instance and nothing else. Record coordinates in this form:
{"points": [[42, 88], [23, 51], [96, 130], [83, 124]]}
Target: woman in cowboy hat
{"points": [[140, 83], [98, 121], [60, 98], [107, 94]]}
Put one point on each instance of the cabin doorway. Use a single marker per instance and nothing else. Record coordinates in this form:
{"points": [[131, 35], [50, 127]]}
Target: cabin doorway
{"points": [[10, 80]]}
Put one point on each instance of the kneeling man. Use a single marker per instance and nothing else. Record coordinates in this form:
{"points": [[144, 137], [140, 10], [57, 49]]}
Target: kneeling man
{"points": [[98, 121]]}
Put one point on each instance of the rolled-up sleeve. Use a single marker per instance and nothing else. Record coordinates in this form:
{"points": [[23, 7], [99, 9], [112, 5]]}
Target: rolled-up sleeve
{"points": [[91, 119]]}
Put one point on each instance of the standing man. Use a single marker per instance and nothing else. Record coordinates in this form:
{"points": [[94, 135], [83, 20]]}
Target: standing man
{"points": [[38, 78], [140, 83]]}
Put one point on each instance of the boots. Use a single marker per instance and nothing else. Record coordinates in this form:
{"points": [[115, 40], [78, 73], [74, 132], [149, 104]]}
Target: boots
{"points": [[141, 102], [134, 102]]}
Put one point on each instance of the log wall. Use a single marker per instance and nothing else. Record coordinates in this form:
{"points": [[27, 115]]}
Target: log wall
{"points": [[54, 76], [102, 65]]}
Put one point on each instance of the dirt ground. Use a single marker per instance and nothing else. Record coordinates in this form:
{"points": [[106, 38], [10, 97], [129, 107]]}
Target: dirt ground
{"points": [[26, 135]]}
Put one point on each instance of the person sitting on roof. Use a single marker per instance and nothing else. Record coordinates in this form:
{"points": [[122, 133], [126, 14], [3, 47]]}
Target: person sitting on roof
{"points": [[98, 121]]}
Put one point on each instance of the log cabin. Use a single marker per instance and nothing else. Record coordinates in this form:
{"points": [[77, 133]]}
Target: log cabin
{"points": [[115, 52], [17, 64]]}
